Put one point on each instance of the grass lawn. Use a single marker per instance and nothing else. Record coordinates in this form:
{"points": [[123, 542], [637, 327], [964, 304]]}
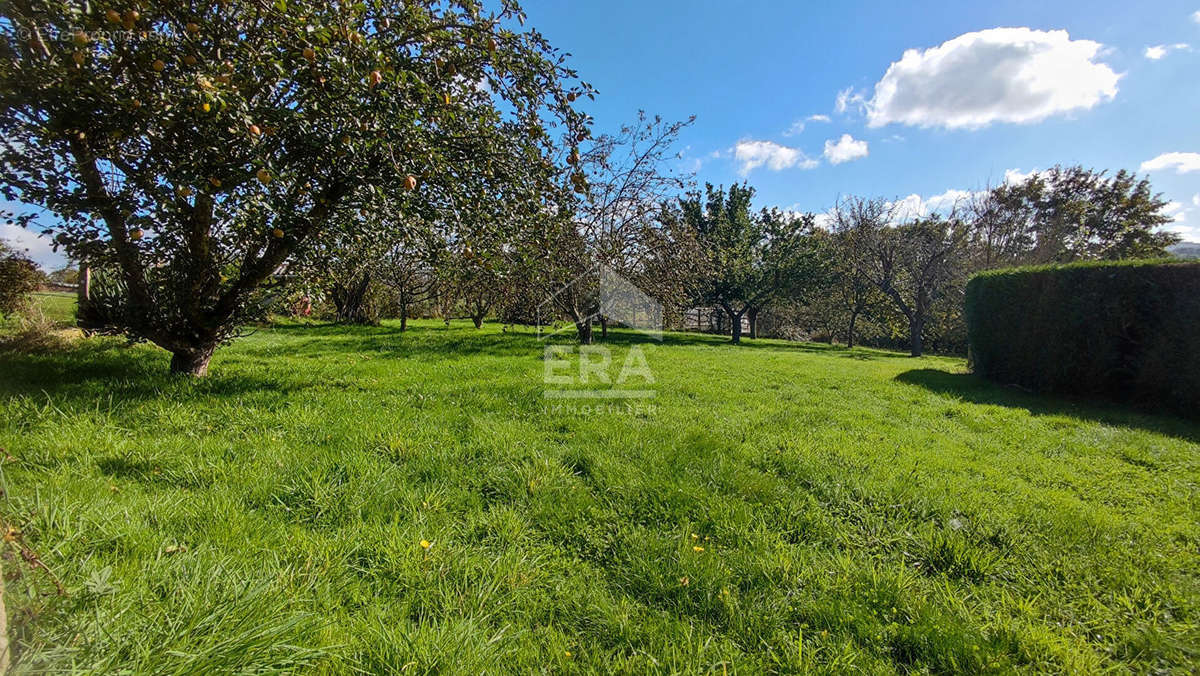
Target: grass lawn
{"points": [[779, 507], [57, 306]]}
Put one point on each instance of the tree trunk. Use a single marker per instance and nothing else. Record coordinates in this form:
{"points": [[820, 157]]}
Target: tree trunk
{"points": [[753, 322], [850, 329], [478, 319], [735, 326], [192, 361], [915, 328], [350, 301], [603, 328], [584, 327]]}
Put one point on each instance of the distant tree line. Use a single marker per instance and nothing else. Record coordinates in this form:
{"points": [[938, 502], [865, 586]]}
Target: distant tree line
{"points": [[866, 271]]}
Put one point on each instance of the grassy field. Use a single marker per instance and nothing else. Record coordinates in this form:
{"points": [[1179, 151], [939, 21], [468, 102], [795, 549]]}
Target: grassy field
{"points": [[360, 499], [57, 306]]}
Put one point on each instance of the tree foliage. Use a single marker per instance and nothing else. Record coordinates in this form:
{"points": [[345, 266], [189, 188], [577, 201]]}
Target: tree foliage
{"points": [[915, 264], [751, 259], [622, 183], [1068, 214], [196, 148]]}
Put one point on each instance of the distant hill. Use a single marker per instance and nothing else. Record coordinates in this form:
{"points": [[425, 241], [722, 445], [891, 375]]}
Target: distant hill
{"points": [[1185, 249]]}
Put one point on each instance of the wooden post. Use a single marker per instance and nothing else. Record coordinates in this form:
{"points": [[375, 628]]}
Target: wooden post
{"points": [[84, 289]]}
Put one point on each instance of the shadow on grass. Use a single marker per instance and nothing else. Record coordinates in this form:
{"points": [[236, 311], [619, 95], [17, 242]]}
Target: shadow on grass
{"points": [[977, 390], [95, 369]]}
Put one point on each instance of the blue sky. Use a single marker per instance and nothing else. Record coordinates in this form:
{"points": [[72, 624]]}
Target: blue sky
{"points": [[750, 70], [968, 105]]}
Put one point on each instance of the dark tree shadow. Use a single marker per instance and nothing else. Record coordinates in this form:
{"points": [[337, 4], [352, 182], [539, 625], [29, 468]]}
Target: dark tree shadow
{"points": [[79, 376], [977, 390]]}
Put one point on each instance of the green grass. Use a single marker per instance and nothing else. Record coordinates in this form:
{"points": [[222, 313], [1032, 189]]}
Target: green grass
{"points": [[857, 510], [57, 306]]}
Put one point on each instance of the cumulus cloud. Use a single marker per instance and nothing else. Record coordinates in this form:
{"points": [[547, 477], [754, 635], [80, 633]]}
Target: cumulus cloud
{"points": [[1156, 52], [1182, 163], [1196, 16], [1196, 200], [845, 149], [818, 118], [753, 154], [1017, 75]]}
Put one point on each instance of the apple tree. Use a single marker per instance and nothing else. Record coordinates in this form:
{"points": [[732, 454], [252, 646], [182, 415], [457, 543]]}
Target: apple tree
{"points": [[192, 150]]}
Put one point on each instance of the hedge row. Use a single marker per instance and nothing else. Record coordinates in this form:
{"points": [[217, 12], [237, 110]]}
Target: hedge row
{"points": [[1127, 331]]}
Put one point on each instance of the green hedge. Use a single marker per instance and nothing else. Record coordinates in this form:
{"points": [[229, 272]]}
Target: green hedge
{"points": [[1128, 331]]}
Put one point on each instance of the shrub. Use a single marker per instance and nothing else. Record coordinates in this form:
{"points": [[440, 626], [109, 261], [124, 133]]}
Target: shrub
{"points": [[19, 278], [1121, 330]]}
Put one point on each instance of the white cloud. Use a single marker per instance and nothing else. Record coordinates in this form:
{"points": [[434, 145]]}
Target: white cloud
{"points": [[915, 206], [38, 247], [1016, 176], [1156, 52], [1179, 222], [754, 154], [845, 149], [798, 126], [1196, 199], [1182, 163], [1017, 75], [1196, 16], [848, 98]]}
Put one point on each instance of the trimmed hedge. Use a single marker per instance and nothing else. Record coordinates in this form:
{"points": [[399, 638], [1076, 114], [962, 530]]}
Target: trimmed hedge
{"points": [[1127, 331]]}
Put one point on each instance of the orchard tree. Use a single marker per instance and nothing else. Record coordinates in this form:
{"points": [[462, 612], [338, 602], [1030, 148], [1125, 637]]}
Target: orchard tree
{"points": [[622, 182], [751, 260], [195, 148], [916, 264], [846, 296]]}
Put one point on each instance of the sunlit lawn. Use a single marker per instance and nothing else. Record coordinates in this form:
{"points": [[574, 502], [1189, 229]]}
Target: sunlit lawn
{"points": [[779, 507]]}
